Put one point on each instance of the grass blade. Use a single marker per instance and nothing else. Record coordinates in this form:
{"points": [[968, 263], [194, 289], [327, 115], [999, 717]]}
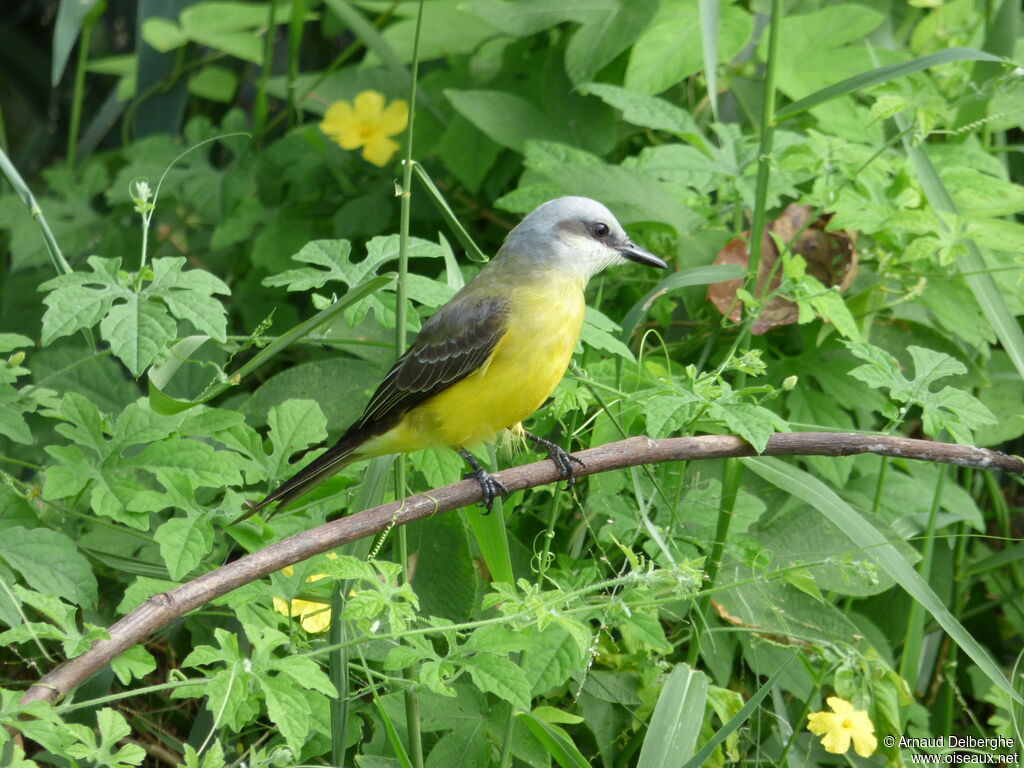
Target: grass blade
{"points": [[804, 486], [882, 75], [709, 38], [560, 748], [70, 16], [676, 721], [472, 250], [684, 278]]}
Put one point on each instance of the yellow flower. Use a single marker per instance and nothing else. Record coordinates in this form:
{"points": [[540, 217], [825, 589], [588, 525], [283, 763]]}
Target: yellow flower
{"points": [[367, 123], [841, 725], [313, 616]]}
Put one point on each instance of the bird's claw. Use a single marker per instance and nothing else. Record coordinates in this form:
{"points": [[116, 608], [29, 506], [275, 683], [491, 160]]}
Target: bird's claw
{"points": [[563, 459], [489, 484]]}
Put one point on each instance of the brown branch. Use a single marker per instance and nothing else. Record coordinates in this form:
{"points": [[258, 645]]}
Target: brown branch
{"points": [[160, 610]]}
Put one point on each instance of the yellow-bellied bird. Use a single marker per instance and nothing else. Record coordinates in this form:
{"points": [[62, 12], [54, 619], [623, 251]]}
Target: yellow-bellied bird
{"points": [[493, 354]]}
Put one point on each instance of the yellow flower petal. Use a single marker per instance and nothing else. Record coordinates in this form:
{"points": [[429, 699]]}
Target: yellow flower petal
{"points": [[379, 149], [839, 706], [337, 117], [836, 741], [865, 744], [394, 119], [369, 105]]}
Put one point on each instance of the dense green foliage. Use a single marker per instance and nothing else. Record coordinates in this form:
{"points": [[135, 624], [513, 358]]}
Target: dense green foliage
{"points": [[160, 367]]}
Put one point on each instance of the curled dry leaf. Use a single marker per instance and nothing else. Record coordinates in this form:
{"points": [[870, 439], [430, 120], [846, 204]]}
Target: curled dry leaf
{"points": [[830, 257]]}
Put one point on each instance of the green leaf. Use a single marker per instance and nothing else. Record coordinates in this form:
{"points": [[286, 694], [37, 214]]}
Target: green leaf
{"points": [[50, 563], [288, 710], [670, 49], [506, 118], [646, 111], [137, 331], [199, 462], [214, 83], [184, 542], [528, 17], [604, 36], [753, 423], [676, 721], [163, 34], [500, 676], [133, 664], [333, 255], [599, 332], [80, 300]]}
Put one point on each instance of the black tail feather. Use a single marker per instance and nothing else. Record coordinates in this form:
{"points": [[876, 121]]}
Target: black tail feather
{"points": [[339, 456]]}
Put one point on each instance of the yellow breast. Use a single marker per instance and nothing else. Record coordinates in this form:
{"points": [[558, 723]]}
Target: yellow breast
{"points": [[528, 362]]}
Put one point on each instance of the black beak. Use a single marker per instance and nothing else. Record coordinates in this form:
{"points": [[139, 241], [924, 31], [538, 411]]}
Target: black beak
{"points": [[640, 256]]}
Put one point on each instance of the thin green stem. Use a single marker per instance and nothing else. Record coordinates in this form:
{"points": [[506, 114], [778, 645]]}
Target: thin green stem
{"points": [[412, 705], [78, 96], [764, 150], [295, 28], [260, 108]]}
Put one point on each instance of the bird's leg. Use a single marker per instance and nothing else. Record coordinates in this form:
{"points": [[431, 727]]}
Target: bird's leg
{"points": [[562, 459], [489, 484]]}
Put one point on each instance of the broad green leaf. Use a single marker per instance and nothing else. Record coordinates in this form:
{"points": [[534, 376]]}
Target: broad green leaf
{"points": [[214, 83], [601, 332], [198, 461], [50, 562], [184, 542], [506, 118], [604, 36], [340, 385], [528, 17], [817, 48], [670, 49], [163, 34], [287, 709], [133, 664], [646, 111], [500, 676], [137, 331]]}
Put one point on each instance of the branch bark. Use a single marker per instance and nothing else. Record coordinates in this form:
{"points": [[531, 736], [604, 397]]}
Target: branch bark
{"points": [[160, 610]]}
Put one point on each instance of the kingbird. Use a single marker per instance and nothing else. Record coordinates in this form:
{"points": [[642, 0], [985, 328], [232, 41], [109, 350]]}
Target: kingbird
{"points": [[493, 354]]}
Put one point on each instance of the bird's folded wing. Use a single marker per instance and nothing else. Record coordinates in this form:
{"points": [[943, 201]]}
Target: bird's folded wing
{"points": [[452, 344]]}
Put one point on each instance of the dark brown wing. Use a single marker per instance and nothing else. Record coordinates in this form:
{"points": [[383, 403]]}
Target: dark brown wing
{"points": [[452, 344]]}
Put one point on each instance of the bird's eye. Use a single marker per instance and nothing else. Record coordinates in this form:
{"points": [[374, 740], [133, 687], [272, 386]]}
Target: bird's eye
{"points": [[600, 230]]}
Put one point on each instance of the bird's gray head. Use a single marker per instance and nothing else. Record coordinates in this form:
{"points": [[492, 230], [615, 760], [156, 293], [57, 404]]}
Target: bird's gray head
{"points": [[574, 233]]}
